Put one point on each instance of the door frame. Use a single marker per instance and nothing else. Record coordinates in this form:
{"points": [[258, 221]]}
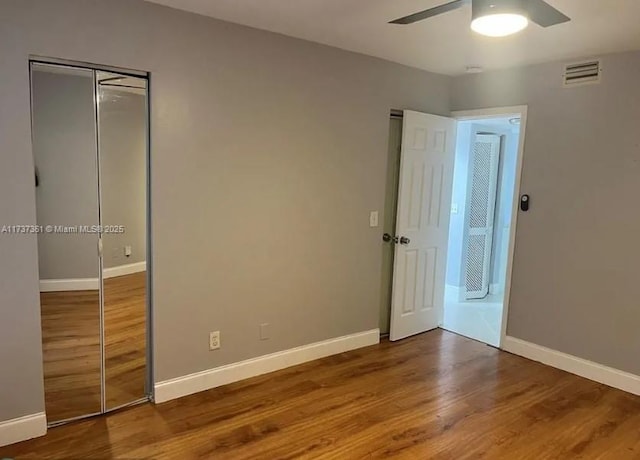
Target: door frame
{"points": [[503, 112]]}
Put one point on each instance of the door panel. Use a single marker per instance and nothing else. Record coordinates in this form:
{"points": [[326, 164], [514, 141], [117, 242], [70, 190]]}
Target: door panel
{"points": [[431, 261], [122, 129], [481, 204], [410, 281], [66, 189], [426, 175]]}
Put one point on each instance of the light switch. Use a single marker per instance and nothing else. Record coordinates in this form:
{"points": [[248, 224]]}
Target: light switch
{"points": [[373, 219]]}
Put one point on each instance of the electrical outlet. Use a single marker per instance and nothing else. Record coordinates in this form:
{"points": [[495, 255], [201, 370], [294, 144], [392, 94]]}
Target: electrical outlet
{"points": [[264, 331], [214, 340]]}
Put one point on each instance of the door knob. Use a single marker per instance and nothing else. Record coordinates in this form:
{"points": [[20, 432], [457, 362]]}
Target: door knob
{"points": [[404, 240], [388, 238]]}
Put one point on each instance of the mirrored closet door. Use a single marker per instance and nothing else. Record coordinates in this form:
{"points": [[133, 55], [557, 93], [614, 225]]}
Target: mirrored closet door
{"points": [[90, 144]]}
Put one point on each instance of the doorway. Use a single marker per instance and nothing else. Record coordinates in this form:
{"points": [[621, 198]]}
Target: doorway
{"points": [[462, 282], [389, 222], [90, 134], [482, 208]]}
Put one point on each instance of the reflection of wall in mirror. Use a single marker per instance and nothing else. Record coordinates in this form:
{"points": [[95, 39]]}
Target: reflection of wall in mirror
{"points": [[64, 149], [123, 174], [65, 155]]}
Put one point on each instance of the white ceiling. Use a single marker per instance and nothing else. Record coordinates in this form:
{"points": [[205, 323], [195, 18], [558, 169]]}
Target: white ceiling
{"points": [[444, 44]]}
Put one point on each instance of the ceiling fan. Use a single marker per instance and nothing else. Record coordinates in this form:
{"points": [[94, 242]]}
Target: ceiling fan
{"points": [[496, 18]]}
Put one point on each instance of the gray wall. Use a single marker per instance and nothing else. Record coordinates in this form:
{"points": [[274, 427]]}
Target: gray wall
{"points": [[64, 150], [576, 257], [123, 162], [248, 129]]}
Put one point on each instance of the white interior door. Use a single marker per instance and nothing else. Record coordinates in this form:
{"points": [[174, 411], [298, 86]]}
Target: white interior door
{"points": [[424, 201], [482, 188]]}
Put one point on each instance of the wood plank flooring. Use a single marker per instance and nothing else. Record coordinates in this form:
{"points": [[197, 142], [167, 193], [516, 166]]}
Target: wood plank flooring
{"points": [[433, 396], [71, 347]]}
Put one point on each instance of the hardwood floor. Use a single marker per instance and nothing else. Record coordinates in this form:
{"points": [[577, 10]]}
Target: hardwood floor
{"points": [[433, 396], [71, 347]]}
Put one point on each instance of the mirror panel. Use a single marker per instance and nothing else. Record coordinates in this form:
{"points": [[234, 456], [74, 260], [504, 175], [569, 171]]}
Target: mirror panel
{"points": [[64, 146], [122, 128]]}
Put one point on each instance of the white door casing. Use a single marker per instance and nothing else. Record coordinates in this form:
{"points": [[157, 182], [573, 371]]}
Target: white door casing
{"points": [[482, 187], [424, 202]]}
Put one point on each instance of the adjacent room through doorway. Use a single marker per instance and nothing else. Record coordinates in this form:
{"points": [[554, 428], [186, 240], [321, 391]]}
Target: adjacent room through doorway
{"points": [[482, 208]]}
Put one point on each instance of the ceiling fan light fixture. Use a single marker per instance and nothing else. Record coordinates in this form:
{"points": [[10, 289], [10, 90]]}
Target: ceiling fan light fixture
{"points": [[500, 24], [499, 18]]}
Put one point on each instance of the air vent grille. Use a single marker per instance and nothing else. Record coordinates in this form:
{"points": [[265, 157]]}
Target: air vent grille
{"points": [[582, 73]]}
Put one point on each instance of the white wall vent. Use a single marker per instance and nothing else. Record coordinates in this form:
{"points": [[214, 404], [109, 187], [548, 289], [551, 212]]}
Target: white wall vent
{"points": [[582, 73]]}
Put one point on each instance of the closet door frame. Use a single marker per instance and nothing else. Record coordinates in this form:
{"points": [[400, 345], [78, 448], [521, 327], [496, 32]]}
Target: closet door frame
{"points": [[103, 371], [94, 68]]}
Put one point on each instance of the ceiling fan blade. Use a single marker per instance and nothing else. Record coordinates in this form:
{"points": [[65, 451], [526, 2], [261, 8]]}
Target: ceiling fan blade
{"points": [[431, 12], [544, 14]]}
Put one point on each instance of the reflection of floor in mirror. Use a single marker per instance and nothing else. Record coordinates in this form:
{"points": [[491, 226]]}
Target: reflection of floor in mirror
{"points": [[125, 338], [71, 353], [71, 347]]}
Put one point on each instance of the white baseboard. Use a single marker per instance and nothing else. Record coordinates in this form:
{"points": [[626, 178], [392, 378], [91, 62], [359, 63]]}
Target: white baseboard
{"points": [[23, 428], [212, 378], [122, 270], [582, 367], [91, 284], [80, 284]]}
